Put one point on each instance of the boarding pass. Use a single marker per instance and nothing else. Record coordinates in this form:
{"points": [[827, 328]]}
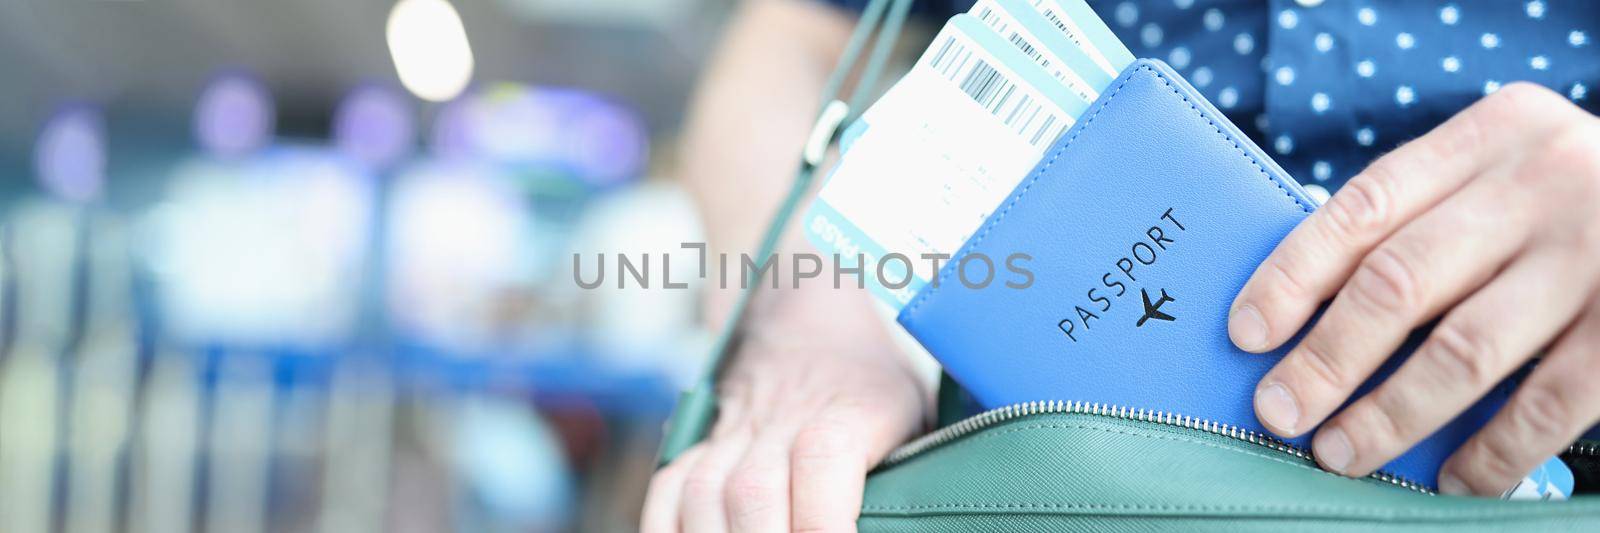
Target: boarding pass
{"points": [[927, 163]]}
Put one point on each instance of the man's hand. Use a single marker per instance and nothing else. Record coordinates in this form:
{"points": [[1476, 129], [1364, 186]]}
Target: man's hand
{"points": [[805, 412], [818, 393], [1493, 220]]}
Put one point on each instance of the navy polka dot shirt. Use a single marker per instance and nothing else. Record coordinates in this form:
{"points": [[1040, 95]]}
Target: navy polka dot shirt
{"points": [[1326, 86]]}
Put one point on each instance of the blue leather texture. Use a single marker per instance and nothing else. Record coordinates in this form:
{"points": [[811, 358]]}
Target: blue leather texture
{"points": [[1152, 190]]}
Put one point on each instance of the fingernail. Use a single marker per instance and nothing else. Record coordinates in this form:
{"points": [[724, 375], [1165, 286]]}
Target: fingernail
{"points": [[1246, 328], [1333, 449], [1277, 409], [1451, 485]]}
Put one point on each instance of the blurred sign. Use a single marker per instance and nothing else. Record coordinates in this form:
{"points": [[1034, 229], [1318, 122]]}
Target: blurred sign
{"points": [[598, 141], [263, 251]]}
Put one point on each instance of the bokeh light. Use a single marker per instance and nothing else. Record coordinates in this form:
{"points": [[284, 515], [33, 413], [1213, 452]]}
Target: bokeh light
{"points": [[430, 50], [374, 125], [70, 156], [235, 116]]}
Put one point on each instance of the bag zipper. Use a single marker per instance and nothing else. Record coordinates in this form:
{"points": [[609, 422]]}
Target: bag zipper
{"points": [[991, 417], [1584, 447]]}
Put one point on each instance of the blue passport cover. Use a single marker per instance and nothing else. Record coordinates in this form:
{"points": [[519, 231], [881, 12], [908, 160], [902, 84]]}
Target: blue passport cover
{"points": [[1152, 200]]}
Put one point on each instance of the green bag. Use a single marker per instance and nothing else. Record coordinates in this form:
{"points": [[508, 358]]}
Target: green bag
{"points": [[1061, 466]]}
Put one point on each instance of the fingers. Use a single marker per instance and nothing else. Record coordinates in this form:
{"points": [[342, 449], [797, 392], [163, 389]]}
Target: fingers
{"points": [[804, 472], [660, 514], [1550, 409], [830, 466], [1317, 257], [1473, 348], [830, 460], [1404, 281], [757, 491], [702, 508]]}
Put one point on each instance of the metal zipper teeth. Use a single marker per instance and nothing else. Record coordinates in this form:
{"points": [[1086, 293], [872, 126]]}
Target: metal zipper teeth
{"points": [[1015, 411], [1584, 447]]}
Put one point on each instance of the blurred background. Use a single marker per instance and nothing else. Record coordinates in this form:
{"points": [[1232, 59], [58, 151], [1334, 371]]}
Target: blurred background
{"points": [[300, 265]]}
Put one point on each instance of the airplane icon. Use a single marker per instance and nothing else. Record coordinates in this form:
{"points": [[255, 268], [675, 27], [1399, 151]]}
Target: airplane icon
{"points": [[1154, 310]]}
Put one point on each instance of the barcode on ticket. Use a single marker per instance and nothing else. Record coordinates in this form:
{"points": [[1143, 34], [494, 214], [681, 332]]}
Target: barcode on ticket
{"points": [[1055, 20], [989, 15], [1019, 111]]}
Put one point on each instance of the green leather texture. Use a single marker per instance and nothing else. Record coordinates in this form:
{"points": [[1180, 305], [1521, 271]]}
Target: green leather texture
{"points": [[1087, 472]]}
